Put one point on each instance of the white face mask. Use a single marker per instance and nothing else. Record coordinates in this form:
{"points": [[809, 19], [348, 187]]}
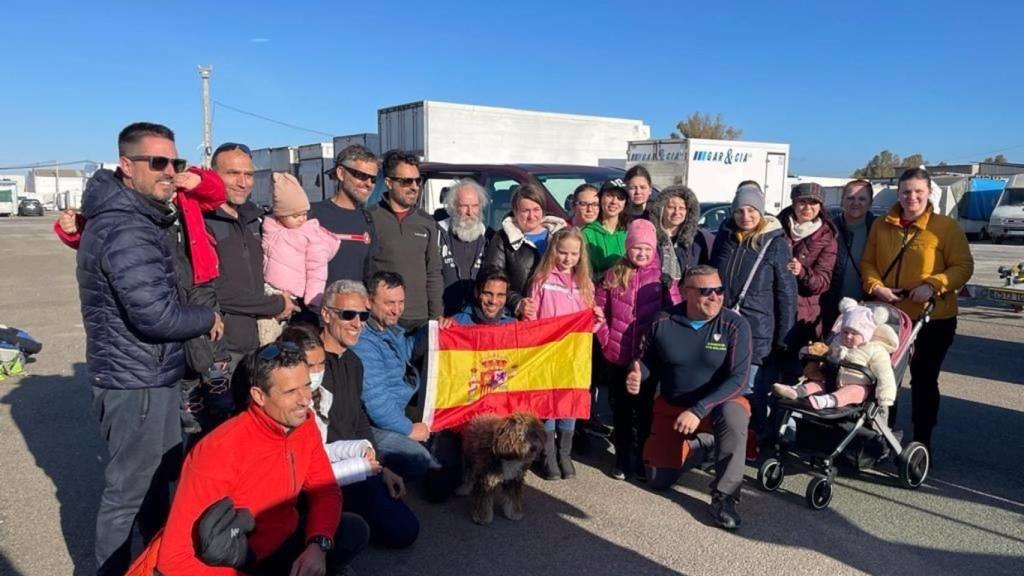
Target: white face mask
{"points": [[315, 380]]}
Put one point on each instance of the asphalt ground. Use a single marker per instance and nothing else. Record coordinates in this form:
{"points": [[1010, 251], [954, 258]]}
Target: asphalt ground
{"points": [[967, 518]]}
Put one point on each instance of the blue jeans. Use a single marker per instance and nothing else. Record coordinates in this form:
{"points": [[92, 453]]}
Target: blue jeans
{"points": [[392, 523], [564, 424], [405, 456]]}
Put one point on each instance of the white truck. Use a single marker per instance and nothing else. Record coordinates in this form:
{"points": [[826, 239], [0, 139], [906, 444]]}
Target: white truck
{"points": [[713, 168], [469, 134], [1007, 220]]}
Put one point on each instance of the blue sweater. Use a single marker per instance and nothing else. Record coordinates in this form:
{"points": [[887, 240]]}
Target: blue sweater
{"points": [[389, 378]]}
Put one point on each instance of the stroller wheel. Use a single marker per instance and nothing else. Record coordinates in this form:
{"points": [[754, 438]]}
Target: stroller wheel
{"points": [[819, 493], [913, 464], [770, 475]]}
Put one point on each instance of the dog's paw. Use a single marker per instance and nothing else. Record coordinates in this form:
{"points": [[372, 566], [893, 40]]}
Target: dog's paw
{"points": [[511, 511], [481, 517]]}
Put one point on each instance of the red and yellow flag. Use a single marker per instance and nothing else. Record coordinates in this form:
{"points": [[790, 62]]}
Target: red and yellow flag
{"points": [[542, 366]]}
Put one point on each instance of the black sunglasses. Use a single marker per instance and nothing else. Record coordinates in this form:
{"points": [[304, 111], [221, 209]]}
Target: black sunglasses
{"points": [[231, 147], [709, 290], [159, 163], [359, 175], [406, 182], [350, 315], [274, 349]]}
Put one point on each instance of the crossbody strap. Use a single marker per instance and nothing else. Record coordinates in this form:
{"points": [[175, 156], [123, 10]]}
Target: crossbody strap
{"points": [[750, 277]]}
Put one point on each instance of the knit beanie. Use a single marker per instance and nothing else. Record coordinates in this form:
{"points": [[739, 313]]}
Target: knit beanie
{"points": [[289, 197], [860, 319], [749, 195], [641, 232]]}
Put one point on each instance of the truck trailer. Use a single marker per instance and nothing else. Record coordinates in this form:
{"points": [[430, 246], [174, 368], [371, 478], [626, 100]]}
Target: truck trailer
{"points": [[714, 168]]}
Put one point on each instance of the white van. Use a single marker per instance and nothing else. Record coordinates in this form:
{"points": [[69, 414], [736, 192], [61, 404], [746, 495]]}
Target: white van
{"points": [[1007, 220]]}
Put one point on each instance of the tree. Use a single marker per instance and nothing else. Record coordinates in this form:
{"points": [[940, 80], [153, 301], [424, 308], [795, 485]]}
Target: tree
{"points": [[699, 125], [885, 164], [997, 159]]}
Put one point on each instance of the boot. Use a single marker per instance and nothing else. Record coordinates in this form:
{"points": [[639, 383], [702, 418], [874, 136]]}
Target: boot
{"points": [[549, 460], [723, 510], [565, 454]]}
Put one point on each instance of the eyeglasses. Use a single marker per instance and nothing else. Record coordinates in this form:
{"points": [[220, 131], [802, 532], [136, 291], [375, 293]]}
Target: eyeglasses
{"points": [[588, 205], [708, 290], [159, 163], [349, 315], [359, 175], [405, 182], [231, 147]]}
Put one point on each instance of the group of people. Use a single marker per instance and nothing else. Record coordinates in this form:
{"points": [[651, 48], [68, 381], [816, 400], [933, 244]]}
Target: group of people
{"points": [[282, 352]]}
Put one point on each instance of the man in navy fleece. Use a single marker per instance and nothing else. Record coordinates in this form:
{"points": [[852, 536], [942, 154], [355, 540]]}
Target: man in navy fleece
{"points": [[699, 355]]}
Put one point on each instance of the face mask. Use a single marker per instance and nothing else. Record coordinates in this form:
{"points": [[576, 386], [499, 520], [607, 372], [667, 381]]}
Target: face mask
{"points": [[315, 379]]}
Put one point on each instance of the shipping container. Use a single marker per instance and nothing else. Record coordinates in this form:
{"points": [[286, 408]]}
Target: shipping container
{"points": [[367, 139], [261, 159], [262, 188], [312, 178], [714, 168], [463, 133], [284, 159], [318, 150]]}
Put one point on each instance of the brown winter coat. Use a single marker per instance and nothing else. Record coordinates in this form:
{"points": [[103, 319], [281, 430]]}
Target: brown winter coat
{"points": [[817, 256]]}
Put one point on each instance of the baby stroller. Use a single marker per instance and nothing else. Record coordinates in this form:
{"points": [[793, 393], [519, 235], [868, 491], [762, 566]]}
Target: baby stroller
{"points": [[822, 436]]}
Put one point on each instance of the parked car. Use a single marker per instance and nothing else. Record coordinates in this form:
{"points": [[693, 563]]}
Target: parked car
{"points": [[30, 207], [712, 214], [501, 180]]}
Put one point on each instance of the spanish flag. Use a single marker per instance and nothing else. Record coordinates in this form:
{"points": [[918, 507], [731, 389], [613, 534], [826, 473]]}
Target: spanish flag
{"points": [[541, 366]]}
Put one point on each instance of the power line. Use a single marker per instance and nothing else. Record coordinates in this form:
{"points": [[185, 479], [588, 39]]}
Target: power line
{"points": [[261, 117]]}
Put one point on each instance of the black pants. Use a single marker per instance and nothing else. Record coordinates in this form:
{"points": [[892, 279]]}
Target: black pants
{"points": [[142, 430], [933, 341], [392, 523], [631, 415], [349, 540]]}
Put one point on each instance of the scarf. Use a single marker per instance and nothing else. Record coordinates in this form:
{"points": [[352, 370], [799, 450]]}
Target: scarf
{"points": [[799, 231]]}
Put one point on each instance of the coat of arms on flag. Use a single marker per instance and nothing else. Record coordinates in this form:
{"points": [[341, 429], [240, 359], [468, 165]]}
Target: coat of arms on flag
{"points": [[540, 366]]}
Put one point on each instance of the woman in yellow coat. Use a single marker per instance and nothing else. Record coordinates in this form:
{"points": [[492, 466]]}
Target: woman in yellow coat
{"points": [[913, 255]]}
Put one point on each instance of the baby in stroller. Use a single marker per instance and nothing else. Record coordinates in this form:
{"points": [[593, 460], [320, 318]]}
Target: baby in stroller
{"points": [[865, 340]]}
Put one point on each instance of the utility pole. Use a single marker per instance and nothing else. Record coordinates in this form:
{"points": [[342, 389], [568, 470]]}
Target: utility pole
{"points": [[204, 75]]}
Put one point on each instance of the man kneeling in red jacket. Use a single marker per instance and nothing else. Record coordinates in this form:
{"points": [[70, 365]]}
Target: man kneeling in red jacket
{"points": [[262, 460]]}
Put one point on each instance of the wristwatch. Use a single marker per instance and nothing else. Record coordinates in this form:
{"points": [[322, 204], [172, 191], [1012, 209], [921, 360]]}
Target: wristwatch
{"points": [[325, 543]]}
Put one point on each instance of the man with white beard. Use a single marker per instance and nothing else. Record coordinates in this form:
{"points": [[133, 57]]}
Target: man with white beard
{"points": [[461, 240]]}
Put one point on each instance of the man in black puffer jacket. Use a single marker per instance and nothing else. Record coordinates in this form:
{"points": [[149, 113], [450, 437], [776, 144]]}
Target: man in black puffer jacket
{"points": [[135, 323]]}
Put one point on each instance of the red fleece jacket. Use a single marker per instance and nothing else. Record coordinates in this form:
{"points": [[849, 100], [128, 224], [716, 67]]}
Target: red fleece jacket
{"points": [[261, 467], [205, 197]]}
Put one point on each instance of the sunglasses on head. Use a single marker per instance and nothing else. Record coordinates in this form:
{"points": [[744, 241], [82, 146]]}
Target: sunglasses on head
{"points": [[159, 163], [706, 291], [274, 349], [231, 147], [360, 175], [405, 182], [349, 315]]}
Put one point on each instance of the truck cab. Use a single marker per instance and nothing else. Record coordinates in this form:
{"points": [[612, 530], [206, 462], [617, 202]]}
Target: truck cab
{"points": [[1007, 220]]}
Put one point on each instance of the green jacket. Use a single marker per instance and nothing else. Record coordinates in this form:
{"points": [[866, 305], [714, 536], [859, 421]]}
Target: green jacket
{"points": [[603, 247]]}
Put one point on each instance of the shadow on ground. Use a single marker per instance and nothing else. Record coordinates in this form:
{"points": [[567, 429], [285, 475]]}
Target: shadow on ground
{"points": [[40, 407]]}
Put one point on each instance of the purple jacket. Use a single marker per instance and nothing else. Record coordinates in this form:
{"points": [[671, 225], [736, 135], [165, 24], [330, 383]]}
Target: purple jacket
{"points": [[630, 313]]}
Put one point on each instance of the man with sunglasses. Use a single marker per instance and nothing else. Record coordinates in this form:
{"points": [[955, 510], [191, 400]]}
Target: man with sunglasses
{"points": [[135, 323], [699, 355], [263, 460], [355, 169], [407, 240], [235, 226]]}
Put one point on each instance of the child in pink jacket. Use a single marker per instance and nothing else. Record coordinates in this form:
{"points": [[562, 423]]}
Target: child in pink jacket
{"points": [[632, 295], [562, 286], [296, 250]]}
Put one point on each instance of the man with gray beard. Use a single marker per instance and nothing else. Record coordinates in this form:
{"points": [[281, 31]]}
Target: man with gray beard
{"points": [[461, 240]]}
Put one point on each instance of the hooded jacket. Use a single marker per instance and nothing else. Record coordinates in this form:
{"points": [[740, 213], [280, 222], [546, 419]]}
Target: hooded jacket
{"points": [[459, 281], [135, 320], [557, 295], [603, 247], [509, 251], [846, 263], [690, 246], [239, 287], [629, 313], [817, 256], [263, 468], [770, 303], [409, 247], [937, 254], [295, 259]]}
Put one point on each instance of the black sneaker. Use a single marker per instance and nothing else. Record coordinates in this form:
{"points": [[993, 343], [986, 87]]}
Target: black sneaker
{"points": [[617, 473], [723, 510]]}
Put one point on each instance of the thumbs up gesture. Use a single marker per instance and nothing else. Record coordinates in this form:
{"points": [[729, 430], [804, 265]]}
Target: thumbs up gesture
{"points": [[633, 378]]}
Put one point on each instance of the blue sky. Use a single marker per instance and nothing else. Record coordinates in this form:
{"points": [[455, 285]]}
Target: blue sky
{"points": [[838, 81]]}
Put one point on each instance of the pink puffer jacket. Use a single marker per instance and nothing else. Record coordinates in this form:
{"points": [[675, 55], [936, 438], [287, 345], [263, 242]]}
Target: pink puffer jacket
{"points": [[557, 295], [296, 259], [630, 313]]}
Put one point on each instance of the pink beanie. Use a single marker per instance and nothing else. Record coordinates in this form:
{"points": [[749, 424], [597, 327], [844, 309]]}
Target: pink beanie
{"points": [[860, 319], [289, 197], [641, 232]]}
